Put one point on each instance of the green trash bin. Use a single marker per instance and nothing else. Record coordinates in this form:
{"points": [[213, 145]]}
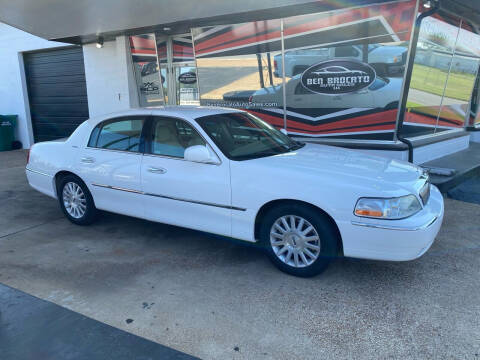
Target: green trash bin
{"points": [[7, 131]]}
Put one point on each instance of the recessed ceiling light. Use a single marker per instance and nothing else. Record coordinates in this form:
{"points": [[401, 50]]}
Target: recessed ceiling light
{"points": [[99, 44]]}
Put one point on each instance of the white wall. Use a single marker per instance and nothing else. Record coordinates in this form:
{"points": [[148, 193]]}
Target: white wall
{"points": [[475, 136], [109, 82], [13, 92]]}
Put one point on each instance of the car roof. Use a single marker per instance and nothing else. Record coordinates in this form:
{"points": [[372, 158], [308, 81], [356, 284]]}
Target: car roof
{"points": [[181, 111]]}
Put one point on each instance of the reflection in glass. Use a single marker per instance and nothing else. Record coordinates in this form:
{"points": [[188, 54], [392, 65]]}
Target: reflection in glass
{"points": [[463, 82], [182, 48], [186, 83], [359, 36], [344, 113], [432, 64], [178, 70], [458, 90], [146, 69], [233, 70], [475, 104]]}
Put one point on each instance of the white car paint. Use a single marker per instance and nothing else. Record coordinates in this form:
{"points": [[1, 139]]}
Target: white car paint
{"points": [[225, 197]]}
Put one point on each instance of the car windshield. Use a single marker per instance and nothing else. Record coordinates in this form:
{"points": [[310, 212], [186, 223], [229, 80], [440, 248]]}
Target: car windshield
{"points": [[242, 136]]}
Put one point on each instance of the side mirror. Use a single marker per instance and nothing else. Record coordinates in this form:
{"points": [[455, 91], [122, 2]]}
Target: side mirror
{"points": [[283, 131], [199, 153]]}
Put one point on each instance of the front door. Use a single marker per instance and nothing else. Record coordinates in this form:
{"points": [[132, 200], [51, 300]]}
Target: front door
{"points": [[180, 192], [178, 70]]}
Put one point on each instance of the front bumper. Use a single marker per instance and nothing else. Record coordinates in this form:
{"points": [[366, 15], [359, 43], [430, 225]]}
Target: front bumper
{"points": [[394, 240]]}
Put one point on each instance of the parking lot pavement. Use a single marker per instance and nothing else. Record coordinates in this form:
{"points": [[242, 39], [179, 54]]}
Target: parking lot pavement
{"points": [[219, 300], [37, 329], [468, 191]]}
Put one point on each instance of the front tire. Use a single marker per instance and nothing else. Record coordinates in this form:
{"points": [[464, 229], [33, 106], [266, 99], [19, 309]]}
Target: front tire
{"points": [[76, 200], [299, 240]]}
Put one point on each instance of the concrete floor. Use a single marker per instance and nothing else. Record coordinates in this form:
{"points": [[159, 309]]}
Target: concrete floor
{"points": [[34, 329], [218, 300]]}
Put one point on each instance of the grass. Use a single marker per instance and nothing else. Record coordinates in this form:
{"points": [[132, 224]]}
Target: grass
{"points": [[432, 80]]}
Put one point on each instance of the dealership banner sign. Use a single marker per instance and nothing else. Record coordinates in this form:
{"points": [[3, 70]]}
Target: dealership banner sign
{"points": [[338, 77], [188, 78]]}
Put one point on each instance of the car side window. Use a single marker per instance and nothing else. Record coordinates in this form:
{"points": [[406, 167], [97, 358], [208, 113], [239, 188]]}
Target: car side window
{"points": [[119, 134], [170, 137]]}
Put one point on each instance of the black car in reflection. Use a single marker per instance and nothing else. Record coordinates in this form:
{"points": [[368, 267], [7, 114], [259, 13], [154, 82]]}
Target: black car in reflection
{"points": [[149, 68]]}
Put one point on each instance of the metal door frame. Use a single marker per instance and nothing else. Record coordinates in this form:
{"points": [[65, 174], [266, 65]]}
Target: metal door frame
{"points": [[171, 67]]}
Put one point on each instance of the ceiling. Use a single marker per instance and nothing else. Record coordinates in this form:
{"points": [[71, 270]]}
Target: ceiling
{"points": [[468, 9], [81, 21]]}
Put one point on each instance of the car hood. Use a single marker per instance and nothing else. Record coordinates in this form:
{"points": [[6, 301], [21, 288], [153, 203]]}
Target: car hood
{"points": [[320, 161]]}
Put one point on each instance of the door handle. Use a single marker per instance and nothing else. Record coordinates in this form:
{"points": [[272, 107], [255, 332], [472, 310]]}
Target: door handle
{"points": [[87, 160], [157, 170]]}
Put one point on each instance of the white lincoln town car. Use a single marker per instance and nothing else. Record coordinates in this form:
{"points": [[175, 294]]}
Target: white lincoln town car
{"points": [[227, 172]]}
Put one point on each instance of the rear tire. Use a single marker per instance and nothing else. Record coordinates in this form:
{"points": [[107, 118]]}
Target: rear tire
{"points": [[299, 240], [76, 201]]}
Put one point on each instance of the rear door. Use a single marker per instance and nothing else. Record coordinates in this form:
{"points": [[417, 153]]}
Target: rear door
{"points": [[110, 165], [179, 192]]}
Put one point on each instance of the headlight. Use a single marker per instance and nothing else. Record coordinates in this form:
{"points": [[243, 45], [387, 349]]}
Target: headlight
{"points": [[393, 208]]}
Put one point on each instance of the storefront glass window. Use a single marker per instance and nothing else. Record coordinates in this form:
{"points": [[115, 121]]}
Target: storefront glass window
{"points": [[178, 70], [163, 61], [182, 49], [146, 70], [443, 78], [458, 90], [354, 62], [432, 63], [235, 66], [357, 50], [475, 105], [467, 63]]}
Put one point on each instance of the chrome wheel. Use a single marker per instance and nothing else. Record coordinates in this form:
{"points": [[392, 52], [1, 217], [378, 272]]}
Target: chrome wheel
{"points": [[295, 241], [74, 200]]}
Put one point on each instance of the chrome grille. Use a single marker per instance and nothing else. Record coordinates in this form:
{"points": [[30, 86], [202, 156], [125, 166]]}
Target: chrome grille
{"points": [[425, 193]]}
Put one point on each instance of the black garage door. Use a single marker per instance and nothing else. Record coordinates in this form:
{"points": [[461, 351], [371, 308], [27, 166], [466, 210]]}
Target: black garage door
{"points": [[57, 92]]}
